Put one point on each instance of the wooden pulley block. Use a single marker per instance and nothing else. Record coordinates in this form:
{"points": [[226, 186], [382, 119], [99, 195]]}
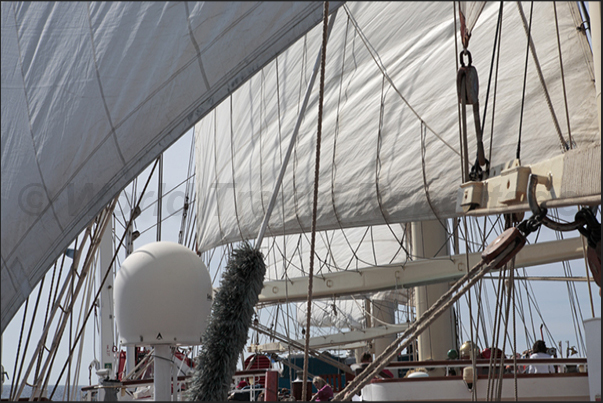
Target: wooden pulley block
{"points": [[467, 75], [511, 236]]}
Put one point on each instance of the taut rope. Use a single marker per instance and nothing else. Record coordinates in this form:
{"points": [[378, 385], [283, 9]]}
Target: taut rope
{"points": [[445, 302], [325, 21]]}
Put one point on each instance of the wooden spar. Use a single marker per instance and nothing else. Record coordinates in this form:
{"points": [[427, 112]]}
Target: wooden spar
{"points": [[420, 271]]}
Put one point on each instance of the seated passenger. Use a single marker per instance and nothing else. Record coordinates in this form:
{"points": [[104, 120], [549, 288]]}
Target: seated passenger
{"points": [[325, 392]]}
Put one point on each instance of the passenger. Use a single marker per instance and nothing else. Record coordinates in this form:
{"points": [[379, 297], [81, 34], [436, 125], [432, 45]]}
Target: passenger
{"points": [[284, 395], [417, 373], [367, 358], [489, 352], [509, 368], [539, 351], [325, 392]]}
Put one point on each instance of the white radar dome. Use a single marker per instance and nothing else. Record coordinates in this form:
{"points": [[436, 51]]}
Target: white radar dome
{"points": [[163, 295]]}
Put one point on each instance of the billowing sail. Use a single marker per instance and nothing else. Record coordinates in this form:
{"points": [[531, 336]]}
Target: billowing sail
{"points": [[390, 135], [343, 249], [340, 314], [92, 92], [347, 312]]}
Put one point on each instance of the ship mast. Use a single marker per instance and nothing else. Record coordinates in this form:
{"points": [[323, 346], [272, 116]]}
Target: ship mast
{"points": [[427, 238], [107, 325]]}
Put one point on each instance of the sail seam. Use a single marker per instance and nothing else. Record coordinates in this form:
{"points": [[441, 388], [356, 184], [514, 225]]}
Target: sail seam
{"points": [[196, 45], [426, 185], [113, 134], [232, 164], [334, 159], [25, 95], [216, 173], [173, 129], [378, 165]]}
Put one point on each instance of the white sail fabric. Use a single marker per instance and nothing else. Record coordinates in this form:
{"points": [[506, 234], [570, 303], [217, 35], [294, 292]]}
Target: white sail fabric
{"points": [[335, 250], [341, 314], [469, 12], [390, 154], [346, 312], [92, 92]]}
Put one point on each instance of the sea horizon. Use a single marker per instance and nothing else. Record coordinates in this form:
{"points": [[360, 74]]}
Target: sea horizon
{"points": [[59, 394]]}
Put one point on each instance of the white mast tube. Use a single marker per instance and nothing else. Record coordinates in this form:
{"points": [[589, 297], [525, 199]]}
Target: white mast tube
{"points": [[435, 341], [107, 357], [163, 372], [130, 350], [175, 371]]}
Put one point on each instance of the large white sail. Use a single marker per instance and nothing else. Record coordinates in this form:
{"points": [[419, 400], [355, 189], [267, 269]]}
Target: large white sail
{"points": [[345, 312], [390, 134], [347, 249], [92, 92]]}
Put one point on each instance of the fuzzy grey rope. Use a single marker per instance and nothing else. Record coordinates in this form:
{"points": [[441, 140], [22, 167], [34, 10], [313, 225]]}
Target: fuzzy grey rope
{"points": [[226, 333]]}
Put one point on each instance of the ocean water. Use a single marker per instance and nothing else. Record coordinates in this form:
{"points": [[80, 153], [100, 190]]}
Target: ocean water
{"points": [[59, 394]]}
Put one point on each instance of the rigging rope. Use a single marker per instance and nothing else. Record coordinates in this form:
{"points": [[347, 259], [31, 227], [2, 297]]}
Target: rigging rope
{"points": [[13, 383], [46, 314], [232, 167], [33, 316], [494, 53], [509, 291], [495, 333], [381, 67], [315, 200], [528, 29], [108, 270], [472, 354], [464, 173], [525, 76], [425, 184], [442, 304], [569, 130], [497, 51], [382, 209], [514, 344]]}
